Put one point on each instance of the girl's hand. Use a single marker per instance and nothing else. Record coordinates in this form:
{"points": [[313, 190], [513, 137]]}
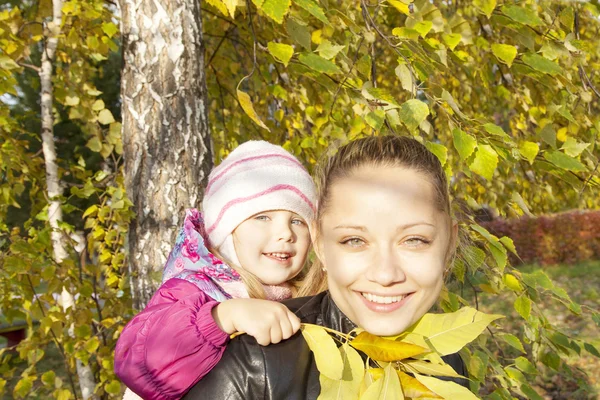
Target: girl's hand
{"points": [[267, 321]]}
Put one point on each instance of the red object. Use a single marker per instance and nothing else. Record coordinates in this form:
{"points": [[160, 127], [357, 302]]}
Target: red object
{"points": [[14, 337]]}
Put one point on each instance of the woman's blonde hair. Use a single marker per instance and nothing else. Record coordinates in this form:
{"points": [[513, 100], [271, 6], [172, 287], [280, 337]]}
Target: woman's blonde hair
{"points": [[386, 151]]}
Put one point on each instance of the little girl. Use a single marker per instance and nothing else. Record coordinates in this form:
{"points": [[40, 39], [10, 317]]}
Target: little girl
{"points": [[250, 244]]}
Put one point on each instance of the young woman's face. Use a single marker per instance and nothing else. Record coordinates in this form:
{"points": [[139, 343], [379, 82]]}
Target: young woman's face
{"points": [[385, 245], [272, 245]]}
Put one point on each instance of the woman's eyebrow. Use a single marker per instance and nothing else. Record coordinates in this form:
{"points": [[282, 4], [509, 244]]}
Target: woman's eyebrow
{"points": [[355, 227], [406, 226]]}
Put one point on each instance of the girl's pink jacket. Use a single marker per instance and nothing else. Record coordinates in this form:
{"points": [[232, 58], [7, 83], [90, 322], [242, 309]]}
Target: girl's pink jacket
{"points": [[175, 341], [171, 344]]}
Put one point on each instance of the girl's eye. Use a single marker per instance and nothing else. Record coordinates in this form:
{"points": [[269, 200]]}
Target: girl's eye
{"points": [[353, 242], [297, 221], [261, 218]]}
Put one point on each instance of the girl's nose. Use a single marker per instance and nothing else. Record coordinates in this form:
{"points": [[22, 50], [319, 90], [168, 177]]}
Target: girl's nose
{"points": [[284, 232]]}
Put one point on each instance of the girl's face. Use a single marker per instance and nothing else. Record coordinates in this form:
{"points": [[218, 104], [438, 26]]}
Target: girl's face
{"points": [[385, 245], [272, 245]]}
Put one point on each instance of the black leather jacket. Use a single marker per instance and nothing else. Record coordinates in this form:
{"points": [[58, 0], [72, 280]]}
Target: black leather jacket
{"points": [[280, 371]]}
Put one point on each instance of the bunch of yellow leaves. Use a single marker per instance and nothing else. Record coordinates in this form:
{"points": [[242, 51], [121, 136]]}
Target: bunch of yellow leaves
{"points": [[406, 366]]}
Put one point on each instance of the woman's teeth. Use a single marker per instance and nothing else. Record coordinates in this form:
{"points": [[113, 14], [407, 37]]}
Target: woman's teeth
{"points": [[382, 299], [281, 256]]}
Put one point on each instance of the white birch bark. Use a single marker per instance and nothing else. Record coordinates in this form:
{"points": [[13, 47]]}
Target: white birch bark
{"points": [[84, 372], [166, 143]]}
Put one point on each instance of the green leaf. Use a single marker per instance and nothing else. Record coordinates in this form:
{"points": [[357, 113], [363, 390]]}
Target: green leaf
{"points": [[509, 244], [513, 341], [413, 112], [522, 15], [567, 17], [423, 27], [551, 359], [308, 143], [92, 345], [524, 365], [505, 53], [363, 65], [548, 135], [530, 392], [110, 29], [314, 9], [541, 64], [63, 394], [105, 117], [375, 119], [574, 148], [485, 162], [298, 32], [564, 161], [281, 52], [48, 378], [486, 6], [23, 387], [529, 150], [512, 283], [248, 108], [406, 33], [464, 143], [94, 144], [327, 356], [327, 50], [440, 151], [406, 79], [452, 40], [494, 130], [71, 101], [113, 387], [590, 348], [319, 64], [450, 332], [401, 6], [447, 97], [276, 9], [446, 389], [523, 306]]}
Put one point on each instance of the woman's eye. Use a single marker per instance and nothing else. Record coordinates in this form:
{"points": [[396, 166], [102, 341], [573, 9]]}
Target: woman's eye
{"points": [[353, 242], [416, 241]]}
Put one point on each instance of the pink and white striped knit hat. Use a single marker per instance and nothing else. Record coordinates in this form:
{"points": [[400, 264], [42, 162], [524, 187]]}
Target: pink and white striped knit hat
{"points": [[257, 176]]}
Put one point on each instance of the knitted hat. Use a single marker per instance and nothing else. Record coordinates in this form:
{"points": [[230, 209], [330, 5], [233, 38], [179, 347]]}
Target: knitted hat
{"points": [[257, 176]]}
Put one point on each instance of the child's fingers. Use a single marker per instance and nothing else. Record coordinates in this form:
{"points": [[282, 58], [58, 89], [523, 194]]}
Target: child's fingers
{"points": [[286, 327], [276, 333], [294, 321]]}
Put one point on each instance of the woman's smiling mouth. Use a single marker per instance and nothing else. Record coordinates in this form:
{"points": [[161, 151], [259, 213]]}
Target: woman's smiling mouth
{"points": [[380, 303]]}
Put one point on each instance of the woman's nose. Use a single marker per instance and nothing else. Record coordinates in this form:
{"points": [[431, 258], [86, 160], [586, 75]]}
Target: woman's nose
{"points": [[386, 270]]}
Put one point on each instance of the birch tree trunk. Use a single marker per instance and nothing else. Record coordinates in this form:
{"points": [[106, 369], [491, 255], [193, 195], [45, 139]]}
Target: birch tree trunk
{"points": [[166, 143], [54, 190]]}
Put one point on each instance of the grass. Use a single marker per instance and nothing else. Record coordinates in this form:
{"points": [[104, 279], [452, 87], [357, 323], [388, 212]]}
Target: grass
{"points": [[582, 283]]}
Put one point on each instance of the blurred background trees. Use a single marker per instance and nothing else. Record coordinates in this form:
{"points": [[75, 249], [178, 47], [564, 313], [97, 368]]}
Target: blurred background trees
{"points": [[147, 95]]}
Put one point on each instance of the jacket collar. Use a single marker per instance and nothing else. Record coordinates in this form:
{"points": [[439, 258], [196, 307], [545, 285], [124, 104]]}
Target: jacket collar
{"points": [[333, 317]]}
